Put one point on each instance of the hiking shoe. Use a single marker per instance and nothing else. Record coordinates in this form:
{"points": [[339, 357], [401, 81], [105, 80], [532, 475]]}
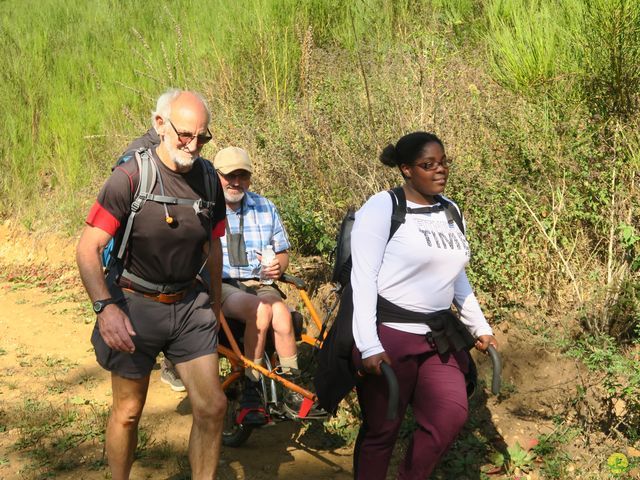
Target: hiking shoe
{"points": [[252, 412], [292, 401], [170, 376]]}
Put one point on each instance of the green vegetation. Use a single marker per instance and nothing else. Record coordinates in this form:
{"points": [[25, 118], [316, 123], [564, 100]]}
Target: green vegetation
{"points": [[56, 438], [315, 89], [620, 383], [538, 101]]}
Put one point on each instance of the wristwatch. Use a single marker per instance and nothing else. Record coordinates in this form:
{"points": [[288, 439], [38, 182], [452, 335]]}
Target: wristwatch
{"points": [[99, 305]]}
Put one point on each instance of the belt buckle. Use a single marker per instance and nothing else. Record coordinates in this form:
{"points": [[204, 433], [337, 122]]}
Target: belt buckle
{"points": [[170, 297]]}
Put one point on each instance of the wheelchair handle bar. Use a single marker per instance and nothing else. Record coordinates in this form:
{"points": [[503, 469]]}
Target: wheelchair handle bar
{"points": [[298, 282], [392, 382], [497, 369]]}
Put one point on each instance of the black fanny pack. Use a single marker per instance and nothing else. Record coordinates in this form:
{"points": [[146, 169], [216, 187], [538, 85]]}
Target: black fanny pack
{"points": [[448, 333]]}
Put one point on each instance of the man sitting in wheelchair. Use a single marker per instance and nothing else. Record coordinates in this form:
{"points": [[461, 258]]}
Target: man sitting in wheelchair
{"points": [[248, 292]]}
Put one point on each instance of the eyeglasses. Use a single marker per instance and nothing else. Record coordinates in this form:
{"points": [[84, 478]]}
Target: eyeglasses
{"points": [[185, 138], [445, 162], [241, 175]]}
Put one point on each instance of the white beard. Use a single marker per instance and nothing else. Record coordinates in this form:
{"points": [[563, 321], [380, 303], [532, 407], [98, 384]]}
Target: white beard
{"points": [[233, 197], [182, 159]]}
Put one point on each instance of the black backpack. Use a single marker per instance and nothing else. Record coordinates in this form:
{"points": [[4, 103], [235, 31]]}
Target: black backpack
{"points": [[335, 374]]}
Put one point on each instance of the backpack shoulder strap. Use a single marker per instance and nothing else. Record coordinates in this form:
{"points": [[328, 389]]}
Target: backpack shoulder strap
{"points": [[210, 183], [211, 194], [399, 212], [148, 172], [452, 213]]}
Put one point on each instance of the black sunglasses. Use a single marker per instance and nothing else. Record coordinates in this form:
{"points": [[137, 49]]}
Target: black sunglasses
{"points": [[185, 138]]}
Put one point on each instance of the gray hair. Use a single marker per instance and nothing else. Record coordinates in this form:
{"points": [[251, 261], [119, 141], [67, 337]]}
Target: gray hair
{"points": [[163, 105]]}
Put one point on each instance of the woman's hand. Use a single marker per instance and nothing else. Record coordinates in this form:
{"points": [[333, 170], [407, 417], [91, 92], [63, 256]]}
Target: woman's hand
{"points": [[372, 364], [483, 342]]}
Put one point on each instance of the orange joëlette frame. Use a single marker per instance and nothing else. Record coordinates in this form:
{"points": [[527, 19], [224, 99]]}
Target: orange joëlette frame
{"points": [[239, 362]]}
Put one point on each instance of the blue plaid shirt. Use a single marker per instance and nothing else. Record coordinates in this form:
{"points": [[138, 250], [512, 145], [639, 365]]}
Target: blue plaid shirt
{"points": [[262, 226]]}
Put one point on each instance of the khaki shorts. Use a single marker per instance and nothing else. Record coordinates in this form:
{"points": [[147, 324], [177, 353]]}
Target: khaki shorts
{"points": [[254, 287], [182, 331]]}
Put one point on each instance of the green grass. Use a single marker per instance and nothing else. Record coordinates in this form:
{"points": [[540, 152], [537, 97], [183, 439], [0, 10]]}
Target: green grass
{"points": [[80, 79], [314, 90]]}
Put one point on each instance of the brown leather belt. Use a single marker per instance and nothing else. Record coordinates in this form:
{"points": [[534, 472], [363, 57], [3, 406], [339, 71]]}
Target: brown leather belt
{"points": [[167, 298]]}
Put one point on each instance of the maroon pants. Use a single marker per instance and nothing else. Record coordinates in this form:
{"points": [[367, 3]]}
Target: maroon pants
{"points": [[433, 384]]}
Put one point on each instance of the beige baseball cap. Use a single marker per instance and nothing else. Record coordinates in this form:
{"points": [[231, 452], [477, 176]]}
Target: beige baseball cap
{"points": [[230, 159]]}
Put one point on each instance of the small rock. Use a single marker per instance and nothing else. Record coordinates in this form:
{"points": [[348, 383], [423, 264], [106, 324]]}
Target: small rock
{"points": [[620, 408]]}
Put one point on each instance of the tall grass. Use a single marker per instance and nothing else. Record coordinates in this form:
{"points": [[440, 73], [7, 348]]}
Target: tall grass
{"points": [[527, 43], [79, 78], [579, 60], [536, 100]]}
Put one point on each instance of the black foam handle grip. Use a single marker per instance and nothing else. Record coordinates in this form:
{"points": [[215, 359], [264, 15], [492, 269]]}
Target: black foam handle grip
{"points": [[497, 369], [392, 382]]}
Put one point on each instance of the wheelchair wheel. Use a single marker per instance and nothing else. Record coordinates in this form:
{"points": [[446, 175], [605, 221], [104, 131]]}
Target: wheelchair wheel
{"points": [[234, 435]]}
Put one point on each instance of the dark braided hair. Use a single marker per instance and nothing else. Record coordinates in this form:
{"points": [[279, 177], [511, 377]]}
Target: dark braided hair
{"points": [[408, 149]]}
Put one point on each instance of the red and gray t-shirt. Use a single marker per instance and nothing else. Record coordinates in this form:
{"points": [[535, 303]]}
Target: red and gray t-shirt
{"points": [[160, 252]]}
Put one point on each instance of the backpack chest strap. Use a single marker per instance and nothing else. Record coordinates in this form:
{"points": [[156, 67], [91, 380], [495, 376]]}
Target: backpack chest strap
{"points": [[180, 201]]}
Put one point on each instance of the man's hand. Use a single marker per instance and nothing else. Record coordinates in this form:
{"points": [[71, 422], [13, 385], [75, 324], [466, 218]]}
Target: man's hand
{"points": [[483, 342], [273, 271], [372, 364], [113, 323], [116, 329]]}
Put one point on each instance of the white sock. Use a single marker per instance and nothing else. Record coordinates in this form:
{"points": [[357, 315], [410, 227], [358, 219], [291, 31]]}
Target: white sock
{"points": [[289, 363]]}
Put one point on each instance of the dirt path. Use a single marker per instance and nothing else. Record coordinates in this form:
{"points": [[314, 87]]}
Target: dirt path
{"points": [[54, 398], [47, 368]]}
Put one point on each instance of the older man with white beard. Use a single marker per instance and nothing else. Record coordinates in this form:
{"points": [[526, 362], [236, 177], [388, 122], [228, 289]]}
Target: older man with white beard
{"points": [[253, 223], [155, 304]]}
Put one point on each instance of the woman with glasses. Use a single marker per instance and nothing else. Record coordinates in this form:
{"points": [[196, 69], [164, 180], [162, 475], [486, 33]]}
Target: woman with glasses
{"points": [[403, 289]]}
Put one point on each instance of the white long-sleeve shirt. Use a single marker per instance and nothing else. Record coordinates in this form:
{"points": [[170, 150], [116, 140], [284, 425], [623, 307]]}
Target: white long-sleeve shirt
{"points": [[420, 269]]}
